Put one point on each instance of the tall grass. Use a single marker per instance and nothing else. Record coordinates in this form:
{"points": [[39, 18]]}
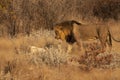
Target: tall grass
{"points": [[18, 62], [29, 51]]}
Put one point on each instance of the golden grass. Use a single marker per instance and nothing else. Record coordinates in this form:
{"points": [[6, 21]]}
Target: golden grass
{"points": [[16, 62]]}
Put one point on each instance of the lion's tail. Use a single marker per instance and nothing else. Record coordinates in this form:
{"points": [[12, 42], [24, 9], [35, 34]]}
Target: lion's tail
{"points": [[73, 21], [110, 39], [113, 37]]}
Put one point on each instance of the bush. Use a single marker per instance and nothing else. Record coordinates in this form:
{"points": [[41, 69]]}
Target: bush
{"points": [[107, 9], [25, 16]]}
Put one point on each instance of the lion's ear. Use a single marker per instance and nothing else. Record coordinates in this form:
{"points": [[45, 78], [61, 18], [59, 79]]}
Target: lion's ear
{"points": [[61, 28], [75, 25]]}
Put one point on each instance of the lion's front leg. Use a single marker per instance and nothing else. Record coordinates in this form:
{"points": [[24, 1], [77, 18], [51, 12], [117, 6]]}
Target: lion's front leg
{"points": [[69, 48], [103, 44]]}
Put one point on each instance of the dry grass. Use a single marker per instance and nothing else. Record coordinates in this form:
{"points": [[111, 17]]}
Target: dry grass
{"points": [[40, 56], [19, 62]]}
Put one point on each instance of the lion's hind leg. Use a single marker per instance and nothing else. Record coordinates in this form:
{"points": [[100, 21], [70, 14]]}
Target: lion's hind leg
{"points": [[109, 42]]}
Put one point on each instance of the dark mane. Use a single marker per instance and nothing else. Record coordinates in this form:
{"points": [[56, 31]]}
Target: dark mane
{"points": [[68, 23]]}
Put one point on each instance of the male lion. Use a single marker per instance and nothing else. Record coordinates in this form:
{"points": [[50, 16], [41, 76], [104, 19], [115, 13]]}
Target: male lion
{"points": [[64, 31], [73, 31]]}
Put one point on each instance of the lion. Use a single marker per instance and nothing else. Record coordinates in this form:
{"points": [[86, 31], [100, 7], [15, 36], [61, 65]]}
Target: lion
{"points": [[76, 32], [96, 32], [64, 31]]}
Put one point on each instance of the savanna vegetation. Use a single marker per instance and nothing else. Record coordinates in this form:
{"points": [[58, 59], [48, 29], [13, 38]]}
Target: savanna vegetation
{"points": [[25, 16], [29, 51]]}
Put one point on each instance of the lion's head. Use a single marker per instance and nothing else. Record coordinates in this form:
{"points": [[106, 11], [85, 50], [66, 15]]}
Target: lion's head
{"points": [[64, 31], [59, 33]]}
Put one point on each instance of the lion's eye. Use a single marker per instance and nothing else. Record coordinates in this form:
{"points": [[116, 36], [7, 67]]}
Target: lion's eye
{"points": [[56, 32]]}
